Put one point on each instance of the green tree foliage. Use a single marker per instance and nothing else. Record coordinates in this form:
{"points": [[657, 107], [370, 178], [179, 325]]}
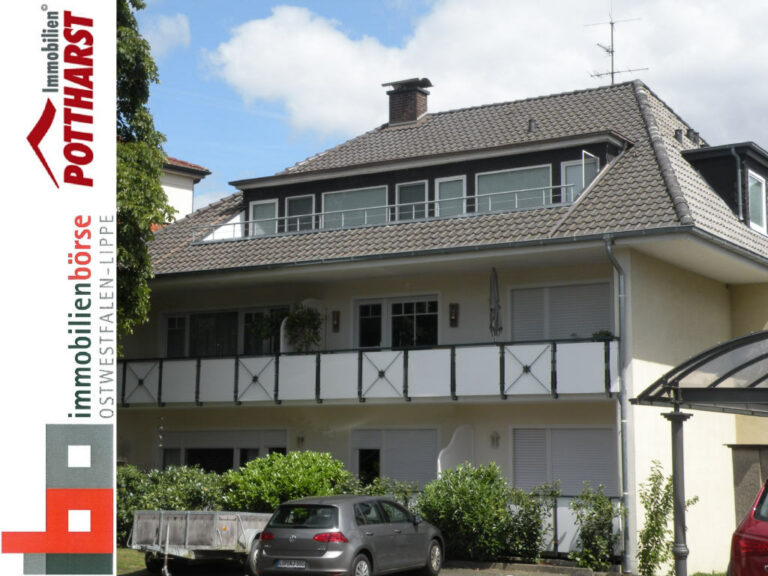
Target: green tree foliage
{"points": [[141, 201], [594, 516]]}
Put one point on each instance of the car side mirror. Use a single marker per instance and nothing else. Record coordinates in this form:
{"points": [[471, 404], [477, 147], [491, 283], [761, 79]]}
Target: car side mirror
{"points": [[417, 519]]}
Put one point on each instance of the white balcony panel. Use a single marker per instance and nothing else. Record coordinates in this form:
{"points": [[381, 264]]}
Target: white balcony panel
{"points": [[338, 376], [580, 368], [217, 380], [256, 379], [477, 371], [297, 377], [141, 382], [179, 377], [527, 369], [383, 374], [615, 367], [429, 373]]}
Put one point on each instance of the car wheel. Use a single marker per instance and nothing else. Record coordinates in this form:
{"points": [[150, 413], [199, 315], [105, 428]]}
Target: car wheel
{"points": [[434, 559], [250, 563], [361, 566]]}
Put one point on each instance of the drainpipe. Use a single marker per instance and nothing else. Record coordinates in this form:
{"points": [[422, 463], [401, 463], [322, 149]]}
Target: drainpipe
{"points": [[738, 183], [623, 402]]}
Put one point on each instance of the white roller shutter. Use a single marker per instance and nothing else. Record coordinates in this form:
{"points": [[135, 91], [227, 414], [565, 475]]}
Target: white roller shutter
{"points": [[410, 455], [530, 458]]}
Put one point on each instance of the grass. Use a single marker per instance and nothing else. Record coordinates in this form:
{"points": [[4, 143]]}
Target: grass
{"points": [[130, 562]]}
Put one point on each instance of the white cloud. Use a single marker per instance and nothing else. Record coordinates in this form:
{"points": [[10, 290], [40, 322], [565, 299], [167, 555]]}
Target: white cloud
{"points": [[705, 57], [164, 33]]}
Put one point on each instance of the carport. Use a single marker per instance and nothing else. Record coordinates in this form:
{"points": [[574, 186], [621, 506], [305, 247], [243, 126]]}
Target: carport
{"points": [[731, 377]]}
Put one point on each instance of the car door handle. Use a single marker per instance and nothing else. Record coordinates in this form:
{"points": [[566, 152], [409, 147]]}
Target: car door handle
{"points": [[396, 531], [368, 533]]}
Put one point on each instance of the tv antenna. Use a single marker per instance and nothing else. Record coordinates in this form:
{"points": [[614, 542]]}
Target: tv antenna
{"points": [[611, 49]]}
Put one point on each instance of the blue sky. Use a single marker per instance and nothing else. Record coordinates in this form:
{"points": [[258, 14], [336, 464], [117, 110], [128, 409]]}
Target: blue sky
{"points": [[248, 88]]}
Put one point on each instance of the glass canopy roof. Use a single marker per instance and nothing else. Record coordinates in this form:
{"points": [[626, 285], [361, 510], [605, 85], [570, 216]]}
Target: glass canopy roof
{"points": [[731, 377]]}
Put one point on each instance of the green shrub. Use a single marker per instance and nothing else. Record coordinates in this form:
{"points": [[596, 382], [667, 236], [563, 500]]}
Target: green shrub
{"points": [[131, 492], [471, 507], [264, 483], [594, 517], [529, 512]]}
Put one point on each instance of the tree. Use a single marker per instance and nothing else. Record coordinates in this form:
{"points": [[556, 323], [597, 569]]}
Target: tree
{"points": [[141, 201]]}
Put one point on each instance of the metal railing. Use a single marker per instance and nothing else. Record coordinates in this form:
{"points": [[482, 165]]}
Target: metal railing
{"points": [[460, 206]]}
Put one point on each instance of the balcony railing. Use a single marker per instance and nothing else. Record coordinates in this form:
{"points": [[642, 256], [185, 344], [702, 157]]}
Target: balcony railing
{"points": [[502, 370], [505, 201]]}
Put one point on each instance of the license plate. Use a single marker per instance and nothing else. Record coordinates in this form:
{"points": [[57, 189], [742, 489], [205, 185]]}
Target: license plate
{"points": [[291, 564]]}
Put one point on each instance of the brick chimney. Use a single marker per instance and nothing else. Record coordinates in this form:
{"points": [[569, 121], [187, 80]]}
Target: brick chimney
{"points": [[407, 99]]}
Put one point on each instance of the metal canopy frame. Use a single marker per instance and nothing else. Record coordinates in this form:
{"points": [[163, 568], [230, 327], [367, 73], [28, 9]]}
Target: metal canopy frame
{"points": [[730, 377]]}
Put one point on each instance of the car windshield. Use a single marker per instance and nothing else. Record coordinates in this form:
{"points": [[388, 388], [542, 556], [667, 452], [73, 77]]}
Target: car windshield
{"points": [[761, 510], [305, 516]]}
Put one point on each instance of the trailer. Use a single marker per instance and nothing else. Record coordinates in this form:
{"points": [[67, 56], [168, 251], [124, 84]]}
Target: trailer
{"points": [[193, 535]]}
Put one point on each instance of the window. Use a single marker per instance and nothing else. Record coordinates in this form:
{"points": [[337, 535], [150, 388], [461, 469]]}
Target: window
{"points": [[514, 189], [210, 459], [355, 207], [369, 465], [299, 212], [574, 179], [411, 201], [305, 516], [261, 331], [560, 312], [402, 454], [220, 450], [263, 217], [757, 202], [571, 456], [248, 455], [399, 323], [213, 334], [176, 341], [367, 513], [395, 514], [450, 196]]}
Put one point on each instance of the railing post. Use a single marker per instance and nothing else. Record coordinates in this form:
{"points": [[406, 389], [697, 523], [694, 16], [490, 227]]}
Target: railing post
{"points": [[405, 376], [197, 383], [160, 384], [553, 374], [502, 369], [453, 373], [237, 381], [360, 376], [317, 379], [555, 541], [277, 379], [122, 392]]}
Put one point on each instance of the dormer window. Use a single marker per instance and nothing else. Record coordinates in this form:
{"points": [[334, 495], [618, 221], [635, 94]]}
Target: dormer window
{"points": [[351, 208], [515, 189], [577, 175], [263, 217], [757, 215], [411, 200], [300, 213]]}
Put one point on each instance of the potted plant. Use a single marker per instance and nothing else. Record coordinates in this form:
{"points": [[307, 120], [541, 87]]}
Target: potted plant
{"points": [[302, 327]]}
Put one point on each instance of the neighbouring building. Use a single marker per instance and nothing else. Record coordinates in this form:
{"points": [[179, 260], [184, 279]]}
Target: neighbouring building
{"points": [[178, 180], [495, 284]]}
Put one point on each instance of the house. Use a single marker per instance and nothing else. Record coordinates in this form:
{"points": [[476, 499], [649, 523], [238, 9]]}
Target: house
{"points": [[178, 180], [495, 282]]}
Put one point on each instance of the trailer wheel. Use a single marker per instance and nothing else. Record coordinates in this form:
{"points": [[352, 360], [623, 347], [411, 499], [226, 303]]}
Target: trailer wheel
{"points": [[153, 562], [250, 562]]}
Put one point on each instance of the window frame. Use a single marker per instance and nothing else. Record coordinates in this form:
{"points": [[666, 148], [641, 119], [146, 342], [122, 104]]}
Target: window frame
{"points": [[461, 178], [297, 217], [251, 219], [413, 205], [386, 317], [384, 206], [478, 195], [568, 163], [762, 181]]}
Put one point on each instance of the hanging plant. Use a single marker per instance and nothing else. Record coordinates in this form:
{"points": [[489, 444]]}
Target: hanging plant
{"points": [[302, 328]]}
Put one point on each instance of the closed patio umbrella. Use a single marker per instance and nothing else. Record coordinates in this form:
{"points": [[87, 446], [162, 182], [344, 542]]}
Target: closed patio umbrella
{"points": [[495, 305]]}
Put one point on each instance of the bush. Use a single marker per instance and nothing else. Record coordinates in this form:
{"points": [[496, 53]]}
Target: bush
{"points": [[264, 483], [131, 491], [471, 507], [398, 490], [594, 516], [529, 511]]}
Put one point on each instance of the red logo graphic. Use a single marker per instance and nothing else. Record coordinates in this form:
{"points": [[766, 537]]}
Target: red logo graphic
{"points": [[38, 133]]}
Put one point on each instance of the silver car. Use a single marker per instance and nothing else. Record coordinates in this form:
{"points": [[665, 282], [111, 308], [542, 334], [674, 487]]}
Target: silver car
{"points": [[352, 535]]}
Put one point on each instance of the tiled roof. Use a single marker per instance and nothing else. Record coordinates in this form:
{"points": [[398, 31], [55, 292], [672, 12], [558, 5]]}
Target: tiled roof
{"points": [[186, 166], [649, 186]]}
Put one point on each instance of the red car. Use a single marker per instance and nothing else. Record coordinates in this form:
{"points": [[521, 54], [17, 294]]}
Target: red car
{"points": [[749, 545]]}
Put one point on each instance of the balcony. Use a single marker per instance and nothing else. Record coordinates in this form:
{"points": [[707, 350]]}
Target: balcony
{"points": [[239, 228], [551, 369]]}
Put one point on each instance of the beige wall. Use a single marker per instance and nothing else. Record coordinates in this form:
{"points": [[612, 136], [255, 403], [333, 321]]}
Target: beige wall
{"points": [[673, 315], [326, 428]]}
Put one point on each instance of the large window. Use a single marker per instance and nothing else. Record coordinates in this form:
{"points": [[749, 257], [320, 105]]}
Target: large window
{"points": [[350, 208], [560, 312], [299, 212], [450, 196], [399, 323], [757, 213], [220, 450], [411, 201], [516, 189], [263, 217], [213, 334], [576, 176], [261, 330]]}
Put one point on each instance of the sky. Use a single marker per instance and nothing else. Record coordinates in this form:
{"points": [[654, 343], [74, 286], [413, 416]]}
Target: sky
{"points": [[250, 87]]}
